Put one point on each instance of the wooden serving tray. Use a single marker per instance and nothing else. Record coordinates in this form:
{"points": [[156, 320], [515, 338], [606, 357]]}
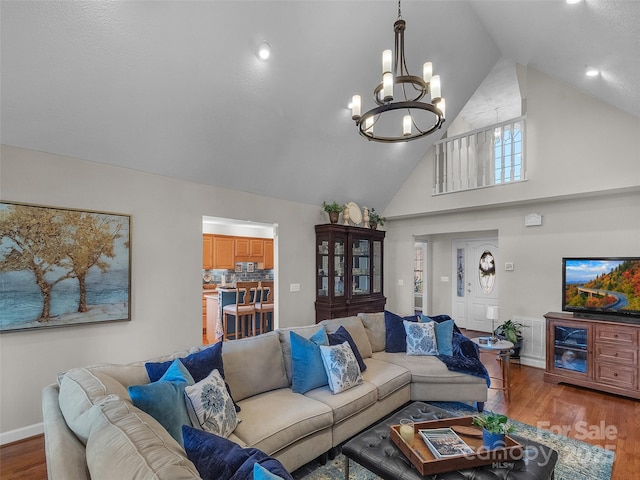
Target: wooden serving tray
{"points": [[422, 458]]}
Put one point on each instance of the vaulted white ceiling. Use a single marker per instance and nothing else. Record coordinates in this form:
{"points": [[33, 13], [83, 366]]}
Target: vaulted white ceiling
{"points": [[175, 87]]}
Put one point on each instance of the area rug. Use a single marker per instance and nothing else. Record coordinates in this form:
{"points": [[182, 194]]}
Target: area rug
{"points": [[576, 460]]}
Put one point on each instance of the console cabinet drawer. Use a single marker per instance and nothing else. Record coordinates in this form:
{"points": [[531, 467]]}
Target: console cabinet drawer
{"points": [[610, 353], [612, 374], [621, 336]]}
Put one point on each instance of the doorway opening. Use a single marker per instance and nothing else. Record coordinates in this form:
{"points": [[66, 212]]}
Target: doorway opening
{"points": [[420, 285], [235, 250]]}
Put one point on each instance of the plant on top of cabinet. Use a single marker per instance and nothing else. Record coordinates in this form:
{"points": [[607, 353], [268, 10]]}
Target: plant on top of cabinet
{"points": [[375, 219], [333, 209]]}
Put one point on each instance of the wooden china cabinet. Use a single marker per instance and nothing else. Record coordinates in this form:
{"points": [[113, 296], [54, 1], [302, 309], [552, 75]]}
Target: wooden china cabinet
{"points": [[348, 271]]}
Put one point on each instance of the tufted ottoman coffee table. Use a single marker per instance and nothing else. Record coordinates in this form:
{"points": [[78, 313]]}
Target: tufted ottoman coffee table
{"points": [[375, 451]]}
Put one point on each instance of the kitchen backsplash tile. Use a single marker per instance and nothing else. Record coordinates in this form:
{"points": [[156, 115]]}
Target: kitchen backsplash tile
{"points": [[215, 276]]}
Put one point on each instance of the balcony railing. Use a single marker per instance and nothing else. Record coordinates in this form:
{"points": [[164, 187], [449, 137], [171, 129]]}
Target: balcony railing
{"points": [[490, 156]]}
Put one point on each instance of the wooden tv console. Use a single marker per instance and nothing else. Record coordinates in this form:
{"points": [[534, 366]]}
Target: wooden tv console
{"points": [[593, 353]]}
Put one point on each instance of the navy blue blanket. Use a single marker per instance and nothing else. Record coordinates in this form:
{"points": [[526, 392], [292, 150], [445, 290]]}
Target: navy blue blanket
{"points": [[465, 358]]}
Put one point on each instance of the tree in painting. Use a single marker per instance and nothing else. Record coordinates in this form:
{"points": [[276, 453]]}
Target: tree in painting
{"points": [[91, 240], [56, 245], [39, 244]]}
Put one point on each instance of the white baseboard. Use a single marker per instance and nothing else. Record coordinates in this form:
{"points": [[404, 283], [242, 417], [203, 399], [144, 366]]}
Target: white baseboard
{"points": [[21, 433], [533, 362]]}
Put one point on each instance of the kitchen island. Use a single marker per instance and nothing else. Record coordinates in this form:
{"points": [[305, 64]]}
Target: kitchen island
{"points": [[215, 300]]}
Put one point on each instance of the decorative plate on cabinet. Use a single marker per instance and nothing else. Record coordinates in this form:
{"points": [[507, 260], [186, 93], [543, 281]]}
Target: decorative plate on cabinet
{"points": [[354, 213]]}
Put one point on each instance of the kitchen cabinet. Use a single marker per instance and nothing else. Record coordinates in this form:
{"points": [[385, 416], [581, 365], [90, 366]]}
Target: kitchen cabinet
{"points": [[217, 252], [348, 271], [256, 248], [207, 251], [242, 247], [268, 254], [223, 252], [249, 249]]}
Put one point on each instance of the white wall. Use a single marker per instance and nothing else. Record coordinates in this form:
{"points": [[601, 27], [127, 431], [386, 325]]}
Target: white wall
{"points": [[166, 269], [238, 229], [575, 144], [601, 225], [584, 178]]}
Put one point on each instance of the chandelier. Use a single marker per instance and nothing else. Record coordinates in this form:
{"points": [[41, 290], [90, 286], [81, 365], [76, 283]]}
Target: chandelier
{"points": [[401, 114]]}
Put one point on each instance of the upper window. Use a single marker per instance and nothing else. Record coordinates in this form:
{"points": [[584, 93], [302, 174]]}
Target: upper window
{"points": [[490, 156], [508, 153]]}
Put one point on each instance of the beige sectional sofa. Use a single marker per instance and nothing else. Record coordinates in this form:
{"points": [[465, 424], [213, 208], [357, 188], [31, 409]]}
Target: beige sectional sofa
{"points": [[92, 430]]}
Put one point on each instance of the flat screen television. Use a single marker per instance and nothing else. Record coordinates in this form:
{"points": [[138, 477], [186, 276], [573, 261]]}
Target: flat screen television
{"points": [[602, 287]]}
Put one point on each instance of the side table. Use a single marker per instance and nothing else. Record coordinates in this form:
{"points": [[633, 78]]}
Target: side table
{"points": [[503, 350]]}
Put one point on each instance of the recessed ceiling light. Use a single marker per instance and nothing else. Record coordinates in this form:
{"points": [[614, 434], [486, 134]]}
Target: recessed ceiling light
{"points": [[571, 2], [591, 71], [264, 51]]}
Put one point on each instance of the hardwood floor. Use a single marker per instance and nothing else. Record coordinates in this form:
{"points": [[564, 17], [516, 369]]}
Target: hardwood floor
{"points": [[605, 420], [593, 417], [23, 460]]}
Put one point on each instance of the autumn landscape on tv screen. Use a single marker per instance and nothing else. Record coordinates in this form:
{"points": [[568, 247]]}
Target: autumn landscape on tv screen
{"points": [[602, 284]]}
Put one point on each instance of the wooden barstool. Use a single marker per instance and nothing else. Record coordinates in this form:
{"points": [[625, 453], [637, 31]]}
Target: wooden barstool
{"points": [[244, 309], [264, 305]]}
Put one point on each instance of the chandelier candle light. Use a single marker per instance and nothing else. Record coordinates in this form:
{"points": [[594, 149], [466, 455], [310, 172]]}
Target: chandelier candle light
{"points": [[400, 97]]}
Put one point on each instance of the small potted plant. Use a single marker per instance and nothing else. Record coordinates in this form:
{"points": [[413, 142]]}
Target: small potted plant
{"points": [[494, 427], [333, 209], [511, 331], [375, 219]]}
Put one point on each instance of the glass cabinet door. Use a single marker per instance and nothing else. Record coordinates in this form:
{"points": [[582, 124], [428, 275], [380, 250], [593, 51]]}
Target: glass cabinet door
{"points": [[360, 267], [330, 263], [338, 267], [570, 348], [322, 262], [377, 266]]}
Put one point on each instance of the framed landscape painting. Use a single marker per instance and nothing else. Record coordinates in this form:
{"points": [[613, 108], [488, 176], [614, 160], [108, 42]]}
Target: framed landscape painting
{"points": [[62, 267]]}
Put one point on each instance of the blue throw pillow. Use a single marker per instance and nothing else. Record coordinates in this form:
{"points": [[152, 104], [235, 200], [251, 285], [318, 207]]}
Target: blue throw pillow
{"points": [[443, 318], [396, 337], [200, 365], [164, 399], [306, 361], [342, 335], [217, 458], [444, 334], [262, 473], [214, 457], [177, 372]]}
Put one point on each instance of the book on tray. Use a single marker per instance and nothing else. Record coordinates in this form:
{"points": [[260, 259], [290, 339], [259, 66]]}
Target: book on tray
{"points": [[444, 442]]}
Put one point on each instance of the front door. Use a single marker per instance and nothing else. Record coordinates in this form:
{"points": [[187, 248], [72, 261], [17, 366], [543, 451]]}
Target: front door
{"points": [[476, 282]]}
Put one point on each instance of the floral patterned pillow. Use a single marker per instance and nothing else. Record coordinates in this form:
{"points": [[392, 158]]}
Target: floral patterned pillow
{"points": [[421, 338], [210, 406], [341, 366]]}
